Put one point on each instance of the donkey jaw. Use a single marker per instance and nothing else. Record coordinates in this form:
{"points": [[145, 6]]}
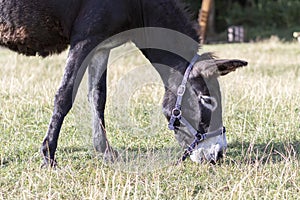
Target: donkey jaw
{"points": [[211, 150]]}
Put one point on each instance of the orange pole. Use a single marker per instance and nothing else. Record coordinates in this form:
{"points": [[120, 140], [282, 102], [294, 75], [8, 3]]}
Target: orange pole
{"points": [[203, 18]]}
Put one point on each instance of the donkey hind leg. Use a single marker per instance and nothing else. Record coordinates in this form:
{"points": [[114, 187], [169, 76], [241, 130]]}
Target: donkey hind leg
{"points": [[97, 98], [75, 68]]}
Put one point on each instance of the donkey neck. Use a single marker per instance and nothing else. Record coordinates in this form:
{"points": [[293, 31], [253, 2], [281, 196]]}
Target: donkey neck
{"points": [[181, 33], [167, 14]]}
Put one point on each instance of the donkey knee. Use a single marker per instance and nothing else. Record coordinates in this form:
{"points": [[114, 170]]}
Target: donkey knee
{"points": [[63, 102]]}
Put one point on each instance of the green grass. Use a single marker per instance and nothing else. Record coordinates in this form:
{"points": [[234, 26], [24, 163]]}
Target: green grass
{"points": [[261, 113]]}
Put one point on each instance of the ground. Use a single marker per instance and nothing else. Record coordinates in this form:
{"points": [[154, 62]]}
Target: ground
{"points": [[261, 113]]}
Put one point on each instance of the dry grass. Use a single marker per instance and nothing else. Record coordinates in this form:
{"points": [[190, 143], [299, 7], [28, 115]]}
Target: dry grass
{"points": [[261, 113]]}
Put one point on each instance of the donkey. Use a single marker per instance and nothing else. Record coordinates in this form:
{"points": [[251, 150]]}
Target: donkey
{"points": [[91, 28]]}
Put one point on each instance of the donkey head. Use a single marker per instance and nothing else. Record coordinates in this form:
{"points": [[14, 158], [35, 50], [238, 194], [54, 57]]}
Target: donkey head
{"points": [[201, 109]]}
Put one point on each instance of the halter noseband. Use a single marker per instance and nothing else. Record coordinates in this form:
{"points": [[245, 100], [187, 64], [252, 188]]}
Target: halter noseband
{"points": [[200, 135]]}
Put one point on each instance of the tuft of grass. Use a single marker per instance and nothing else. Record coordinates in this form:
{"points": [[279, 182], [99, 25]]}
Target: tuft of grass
{"points": [[261, 113]]}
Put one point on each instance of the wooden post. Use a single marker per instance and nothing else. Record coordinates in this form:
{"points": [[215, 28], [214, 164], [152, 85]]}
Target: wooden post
{"points": [[203, 18]]}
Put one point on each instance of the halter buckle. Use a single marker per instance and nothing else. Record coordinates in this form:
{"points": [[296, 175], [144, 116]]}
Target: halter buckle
{"points": [[181, 90]]}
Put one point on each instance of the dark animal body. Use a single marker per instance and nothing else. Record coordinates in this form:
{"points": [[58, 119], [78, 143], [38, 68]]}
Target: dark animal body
{"points": [[32, 27], [44, 27]]}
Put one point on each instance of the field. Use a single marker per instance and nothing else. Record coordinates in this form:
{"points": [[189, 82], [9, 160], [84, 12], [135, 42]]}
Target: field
{"points": [[261, 114]]}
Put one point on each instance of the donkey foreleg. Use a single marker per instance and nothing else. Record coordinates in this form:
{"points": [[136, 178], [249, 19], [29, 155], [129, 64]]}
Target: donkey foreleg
{"points": [[75, 68]]}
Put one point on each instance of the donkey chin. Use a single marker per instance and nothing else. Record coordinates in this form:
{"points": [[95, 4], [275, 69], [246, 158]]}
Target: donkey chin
{"points": [[211, 150]]}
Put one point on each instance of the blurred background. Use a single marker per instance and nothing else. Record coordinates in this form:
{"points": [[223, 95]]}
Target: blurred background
{"points": [[259, 19]]}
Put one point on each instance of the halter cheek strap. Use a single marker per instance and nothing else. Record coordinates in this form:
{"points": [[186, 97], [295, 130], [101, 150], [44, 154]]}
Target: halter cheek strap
{"points": [[176, 114]]}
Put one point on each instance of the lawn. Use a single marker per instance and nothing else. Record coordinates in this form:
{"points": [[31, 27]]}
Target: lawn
{"points": [[261, 114]]}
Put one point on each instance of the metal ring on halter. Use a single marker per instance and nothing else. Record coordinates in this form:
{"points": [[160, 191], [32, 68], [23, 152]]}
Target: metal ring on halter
{"points": [[178, 114], [200, 137]]}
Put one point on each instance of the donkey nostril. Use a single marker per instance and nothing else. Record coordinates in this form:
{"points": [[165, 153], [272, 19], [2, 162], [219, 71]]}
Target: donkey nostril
{"points": [[216, 157], [213, 162], [220, 155], [213, 158]]}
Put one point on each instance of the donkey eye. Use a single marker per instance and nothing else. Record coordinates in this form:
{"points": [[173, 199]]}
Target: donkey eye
{"points": [[208, 102]]}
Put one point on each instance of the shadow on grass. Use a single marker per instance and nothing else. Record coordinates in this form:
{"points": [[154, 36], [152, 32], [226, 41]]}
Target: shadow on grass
{"points": [[264, 153], [130, 159], [141, 159], [145, 159]]}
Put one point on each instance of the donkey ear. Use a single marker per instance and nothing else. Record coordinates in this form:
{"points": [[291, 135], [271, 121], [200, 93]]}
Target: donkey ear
{"points": [[227, 66], [216, 67]]}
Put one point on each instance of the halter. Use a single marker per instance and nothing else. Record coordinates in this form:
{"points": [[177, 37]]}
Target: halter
{"points": [[199, 135]]}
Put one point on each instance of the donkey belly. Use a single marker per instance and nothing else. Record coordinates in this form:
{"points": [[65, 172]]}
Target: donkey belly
{"points": [[30, 27]]}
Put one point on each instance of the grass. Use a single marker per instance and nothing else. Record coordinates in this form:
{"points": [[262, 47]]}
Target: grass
{"points": [[261, 113]]}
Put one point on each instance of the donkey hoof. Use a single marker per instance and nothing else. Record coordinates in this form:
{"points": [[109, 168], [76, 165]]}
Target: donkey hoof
{"points": [[49, 163], [111, 156]]}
